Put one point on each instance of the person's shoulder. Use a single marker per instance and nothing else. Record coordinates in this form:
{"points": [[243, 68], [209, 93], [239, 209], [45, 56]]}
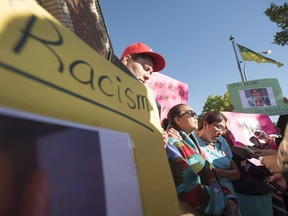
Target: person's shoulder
{"points": [[223, 141], [195, 135], [251, 103]]}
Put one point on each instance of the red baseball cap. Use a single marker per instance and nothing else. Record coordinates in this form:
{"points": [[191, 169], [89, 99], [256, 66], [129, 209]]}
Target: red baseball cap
{"points": [[140, 48]]}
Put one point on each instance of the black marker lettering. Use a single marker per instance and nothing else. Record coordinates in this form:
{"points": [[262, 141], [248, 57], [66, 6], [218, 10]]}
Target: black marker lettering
{"points": [[27, 33]]}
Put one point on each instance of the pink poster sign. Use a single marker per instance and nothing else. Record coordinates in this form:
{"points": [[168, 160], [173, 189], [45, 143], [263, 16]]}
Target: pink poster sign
{"points": [[168, 92], [250, 129]]}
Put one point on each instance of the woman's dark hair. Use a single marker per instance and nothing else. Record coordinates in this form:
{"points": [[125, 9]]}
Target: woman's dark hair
{"points": [[173, 112], [212, 117]]}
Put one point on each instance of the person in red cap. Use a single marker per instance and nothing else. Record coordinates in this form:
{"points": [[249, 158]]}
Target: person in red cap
{"points": [[141, 60]]}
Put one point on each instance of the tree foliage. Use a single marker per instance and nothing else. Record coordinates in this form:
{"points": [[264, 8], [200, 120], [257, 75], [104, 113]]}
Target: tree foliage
{"points": [[217, 103], [279, 15]]}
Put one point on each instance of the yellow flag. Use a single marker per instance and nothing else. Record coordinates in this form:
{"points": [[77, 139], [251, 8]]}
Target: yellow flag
{"points": [[250, 55]]}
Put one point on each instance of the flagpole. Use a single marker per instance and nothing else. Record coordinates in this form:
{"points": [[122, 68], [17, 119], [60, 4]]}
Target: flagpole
{"points": [[244, 71], [238, 62]]}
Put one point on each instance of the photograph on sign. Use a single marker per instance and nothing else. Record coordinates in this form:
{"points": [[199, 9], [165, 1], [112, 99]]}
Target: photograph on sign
{"points": [[53, 169], [257, 97]]}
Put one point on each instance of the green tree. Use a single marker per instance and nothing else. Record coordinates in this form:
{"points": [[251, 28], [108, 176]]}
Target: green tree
{"points": [[279, 15], [217, 103]]}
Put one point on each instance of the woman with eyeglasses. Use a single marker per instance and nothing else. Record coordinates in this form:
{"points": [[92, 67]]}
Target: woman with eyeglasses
{"points": [[197, 186], [216, 148]]}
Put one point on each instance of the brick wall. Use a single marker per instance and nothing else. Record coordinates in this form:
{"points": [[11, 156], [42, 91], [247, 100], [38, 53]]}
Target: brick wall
{"points": [[85, 19]]}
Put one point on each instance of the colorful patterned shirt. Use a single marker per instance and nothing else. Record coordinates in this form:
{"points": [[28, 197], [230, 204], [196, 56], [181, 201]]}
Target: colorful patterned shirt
{"points": [[195, 178]]}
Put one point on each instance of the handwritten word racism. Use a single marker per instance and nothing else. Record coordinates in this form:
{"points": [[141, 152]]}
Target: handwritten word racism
{"points": [[80, 70]]}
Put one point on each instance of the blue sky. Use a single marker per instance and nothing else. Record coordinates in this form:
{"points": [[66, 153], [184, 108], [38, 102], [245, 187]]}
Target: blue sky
{"points": [[194, 38]]}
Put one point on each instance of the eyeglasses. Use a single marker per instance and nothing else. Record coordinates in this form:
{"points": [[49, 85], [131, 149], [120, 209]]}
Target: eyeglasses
{"points": [[220, 128], [190, 112]]}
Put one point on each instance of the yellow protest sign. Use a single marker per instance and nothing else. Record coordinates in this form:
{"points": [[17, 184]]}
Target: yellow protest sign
{"points": [[47, 70]]}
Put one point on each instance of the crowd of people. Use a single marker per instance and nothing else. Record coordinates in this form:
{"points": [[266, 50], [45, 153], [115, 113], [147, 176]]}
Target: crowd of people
{"points": [[209, 179]]}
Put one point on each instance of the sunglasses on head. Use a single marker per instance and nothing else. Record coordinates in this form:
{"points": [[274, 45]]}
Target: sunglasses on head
{"points": [[190, 112]]}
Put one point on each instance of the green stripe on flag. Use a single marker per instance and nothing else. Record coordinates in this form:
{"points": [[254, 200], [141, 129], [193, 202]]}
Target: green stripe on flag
{"points": [[250, 55]]}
